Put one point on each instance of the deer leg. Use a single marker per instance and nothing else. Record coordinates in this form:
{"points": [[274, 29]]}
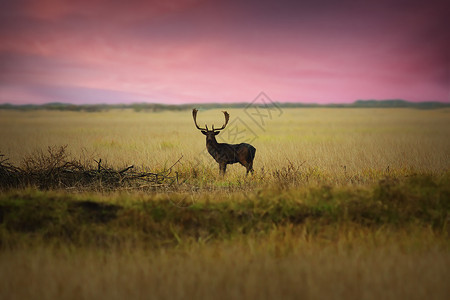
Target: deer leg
{"points": [[249, 167], [222, 169]]}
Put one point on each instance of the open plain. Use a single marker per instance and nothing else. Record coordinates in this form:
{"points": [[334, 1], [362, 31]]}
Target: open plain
{"points": [[344, 204]]}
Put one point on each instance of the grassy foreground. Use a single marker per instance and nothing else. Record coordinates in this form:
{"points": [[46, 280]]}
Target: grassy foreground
{"points": [[344, 204], [359, 265], [160, 220], [387, 241]]}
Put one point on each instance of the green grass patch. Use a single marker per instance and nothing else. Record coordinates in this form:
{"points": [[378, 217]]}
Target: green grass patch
{"points": [[158, 220]]}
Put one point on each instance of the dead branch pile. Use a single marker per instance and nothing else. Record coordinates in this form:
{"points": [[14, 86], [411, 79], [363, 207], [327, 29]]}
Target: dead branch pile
{"points": [[55, 170]]}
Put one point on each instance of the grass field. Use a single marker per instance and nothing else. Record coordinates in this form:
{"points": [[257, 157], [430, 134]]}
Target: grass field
{"points": [[344, 203]]}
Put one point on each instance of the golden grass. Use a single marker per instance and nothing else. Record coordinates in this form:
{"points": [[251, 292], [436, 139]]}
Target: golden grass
{"points": [[360, 264], [330, 160], [330, 140]]}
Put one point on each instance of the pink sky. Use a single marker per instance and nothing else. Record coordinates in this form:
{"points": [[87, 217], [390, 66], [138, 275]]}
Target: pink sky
{"points": [[185, 51]]}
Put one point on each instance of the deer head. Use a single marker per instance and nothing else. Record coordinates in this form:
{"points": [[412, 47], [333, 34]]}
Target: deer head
{"points": [[214, 131]]}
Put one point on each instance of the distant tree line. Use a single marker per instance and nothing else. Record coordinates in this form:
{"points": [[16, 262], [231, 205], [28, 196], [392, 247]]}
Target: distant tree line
{"points": [[154, 107]]}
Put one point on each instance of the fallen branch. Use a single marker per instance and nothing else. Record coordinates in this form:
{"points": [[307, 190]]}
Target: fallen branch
{"points": [[54, 170]]}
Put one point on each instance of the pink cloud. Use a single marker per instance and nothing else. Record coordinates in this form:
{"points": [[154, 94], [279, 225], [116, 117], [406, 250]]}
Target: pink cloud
{"points": [[203, 51]]}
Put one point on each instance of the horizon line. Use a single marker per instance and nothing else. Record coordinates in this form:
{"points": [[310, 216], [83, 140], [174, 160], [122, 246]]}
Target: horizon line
{"points": [[226, 103]]}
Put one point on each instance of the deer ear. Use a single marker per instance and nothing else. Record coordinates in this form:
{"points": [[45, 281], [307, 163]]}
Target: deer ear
{"points": [[216, 132], [204, 132]]}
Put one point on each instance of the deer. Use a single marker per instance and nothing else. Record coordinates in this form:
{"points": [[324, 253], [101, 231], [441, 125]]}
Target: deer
{"points": [[226, 154]]}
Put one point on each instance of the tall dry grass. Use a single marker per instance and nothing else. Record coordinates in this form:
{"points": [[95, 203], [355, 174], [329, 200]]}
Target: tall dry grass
{"points": [[358, 265], [333, 141]]}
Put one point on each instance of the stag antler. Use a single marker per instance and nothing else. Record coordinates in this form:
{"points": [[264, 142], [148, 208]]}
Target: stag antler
{"points": [[227, 117], [194, 115]]}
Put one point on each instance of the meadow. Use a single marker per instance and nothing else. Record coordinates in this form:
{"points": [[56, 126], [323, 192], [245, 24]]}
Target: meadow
{"points": [[344, 203]]}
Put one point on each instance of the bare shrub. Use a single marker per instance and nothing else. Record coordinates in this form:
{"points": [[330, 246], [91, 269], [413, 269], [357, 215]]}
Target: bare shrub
{"points": [[55, 169]]}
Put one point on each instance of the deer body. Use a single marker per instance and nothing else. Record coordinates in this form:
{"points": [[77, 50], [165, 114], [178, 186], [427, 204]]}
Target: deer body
{"points": [[225, 154]]}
